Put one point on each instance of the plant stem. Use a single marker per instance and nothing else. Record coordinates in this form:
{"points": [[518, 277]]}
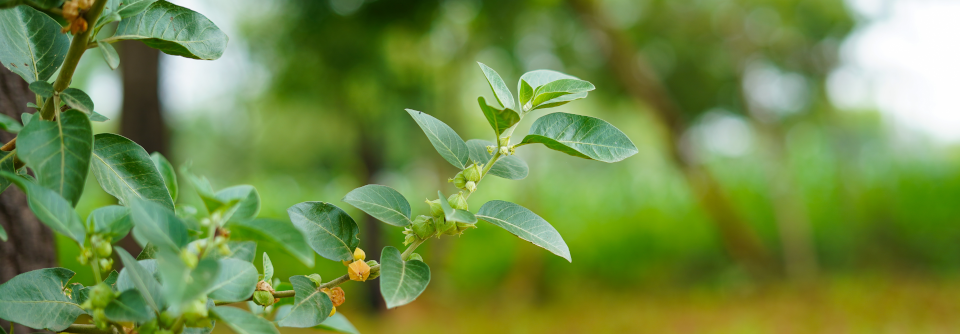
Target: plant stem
{"points": [[96, 267], [409, 251], [77, 47], [290, 293], [87, 329]]}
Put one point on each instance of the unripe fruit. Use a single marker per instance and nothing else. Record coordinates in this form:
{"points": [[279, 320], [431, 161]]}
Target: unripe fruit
{"points": [[195, 311], [224, 249], [104, 249], [473, 172], [464, 226], [190, 259], [373, 273], [100, 296], [471, 186], [316, 279], [166, 319], [264, 298], [416, 256], [423, 226], [458, 201], [436, 210], [358, 271], [106, 264], [459, 180], [358, 254]]}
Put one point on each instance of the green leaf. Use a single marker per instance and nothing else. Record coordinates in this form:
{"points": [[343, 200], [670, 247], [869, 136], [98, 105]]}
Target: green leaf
{"points": [[35, 299], [247, 250], [31, 44], [167, 172], [204, 190], [3, 234], [580, 136], [77, 99], [182, 284], [79, 293], [97, 117], [243, 322], [158, 226], [447, 142], [125, 170], [310, 306], [25, 118], [112, 221], [509, 167], [381, 202], [6, 165], [9, 124], [42, 88], [235, 282], [338, 323], [135, 275], [525, 224], [109, 55], [500, 120], [174, 30], [563, 87], [328, 230], [129, 306], [401, 281], [247, 202], [53, 210], [267, 268], [455, 214], [128, 8], [526, 93], [275, 232], [500, 90], [111, 279], [539, 78], [58, 152]]}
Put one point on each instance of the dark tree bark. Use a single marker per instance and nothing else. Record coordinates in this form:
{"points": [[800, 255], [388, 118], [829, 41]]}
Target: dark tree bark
{"points": [[30, 245], [371, 156], [140, 117]]}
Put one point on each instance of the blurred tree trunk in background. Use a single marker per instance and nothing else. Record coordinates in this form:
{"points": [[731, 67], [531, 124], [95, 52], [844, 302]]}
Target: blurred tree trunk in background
{"points": [[640, 81], [140, 116], [372, 157], [30, 245]]}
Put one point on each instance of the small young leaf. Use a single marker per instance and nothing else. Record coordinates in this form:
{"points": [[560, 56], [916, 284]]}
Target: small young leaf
{"points": [[109, 55], [235, 282], [338, 323], [112, 221], [31, 43], [509, 167], [329, 230], [97, 117], [500, 120], [243, 322], [79, 293], [160, 227], [526, 94], [42, 88], [559, 88], [267, 268], [447, 142], [184, 284], [246, 251], [111, 279], [136, 276], [401, 282], [125, 170], [59, 152], [9, 124], [276, 232], [580, 136], [167, 172], [174, 30], [77, 99], [7, 165], [25, 118], [539, 78], [310, 306], [525, 224], [52, 209], [128, 8], [455, 214], [500, 90], [247, 202], [381, 202], [129, 306], [35, 299]]}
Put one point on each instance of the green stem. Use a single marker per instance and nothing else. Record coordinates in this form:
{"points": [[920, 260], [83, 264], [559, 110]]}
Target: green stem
{"points": [[96, 267], [290, 293], [77, 47], [409, 251]]}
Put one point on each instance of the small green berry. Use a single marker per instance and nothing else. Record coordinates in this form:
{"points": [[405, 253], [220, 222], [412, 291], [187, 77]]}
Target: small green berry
{"points": [[472, 173], [436, 209], [263, 298], [458, 201]]}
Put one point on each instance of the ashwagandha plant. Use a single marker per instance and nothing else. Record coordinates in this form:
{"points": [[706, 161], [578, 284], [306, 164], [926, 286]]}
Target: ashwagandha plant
{"points": [[196, 261]]}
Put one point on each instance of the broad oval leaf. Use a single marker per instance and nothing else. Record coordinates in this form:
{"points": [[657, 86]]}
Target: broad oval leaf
{"points": [[160, 227], [401, 282], [31, 44], [310, 306], [42, 88], [246, 251], [109, 55], [509, 167], [125, 170], [247, 201], [243, 322], [235, 282], [129, 306], [59, 152], [174, 30], [539, 78], [77, 99], [328, 230], [580, 136], [500, 90], [525, 224], [9, 124], [381, 202], [167, 172], [276, 232], [447, 142], [112, 220], [137, 276], [35, 299], [455, 214], [338, 323], [52, 209], [500, 120]]}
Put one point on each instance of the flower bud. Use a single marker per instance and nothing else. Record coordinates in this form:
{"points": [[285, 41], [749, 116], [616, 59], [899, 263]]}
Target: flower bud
{"points": [[416, 256], [473, 172], [100, 296], [458, 201], [505, 150], [358, 271], [316, 279], [346, 263], [189, 258], [459, 181], [336, 294], [423, 226], [471, 186], [103, 248], [373, 273], [436, 210], [263, 298], [491, 149], [106, 264], [358, 254]]}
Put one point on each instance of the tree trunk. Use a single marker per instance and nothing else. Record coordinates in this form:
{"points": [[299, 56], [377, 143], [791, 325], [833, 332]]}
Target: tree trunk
{"points": [[140, 117], [372, 158], [30, 245]]}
